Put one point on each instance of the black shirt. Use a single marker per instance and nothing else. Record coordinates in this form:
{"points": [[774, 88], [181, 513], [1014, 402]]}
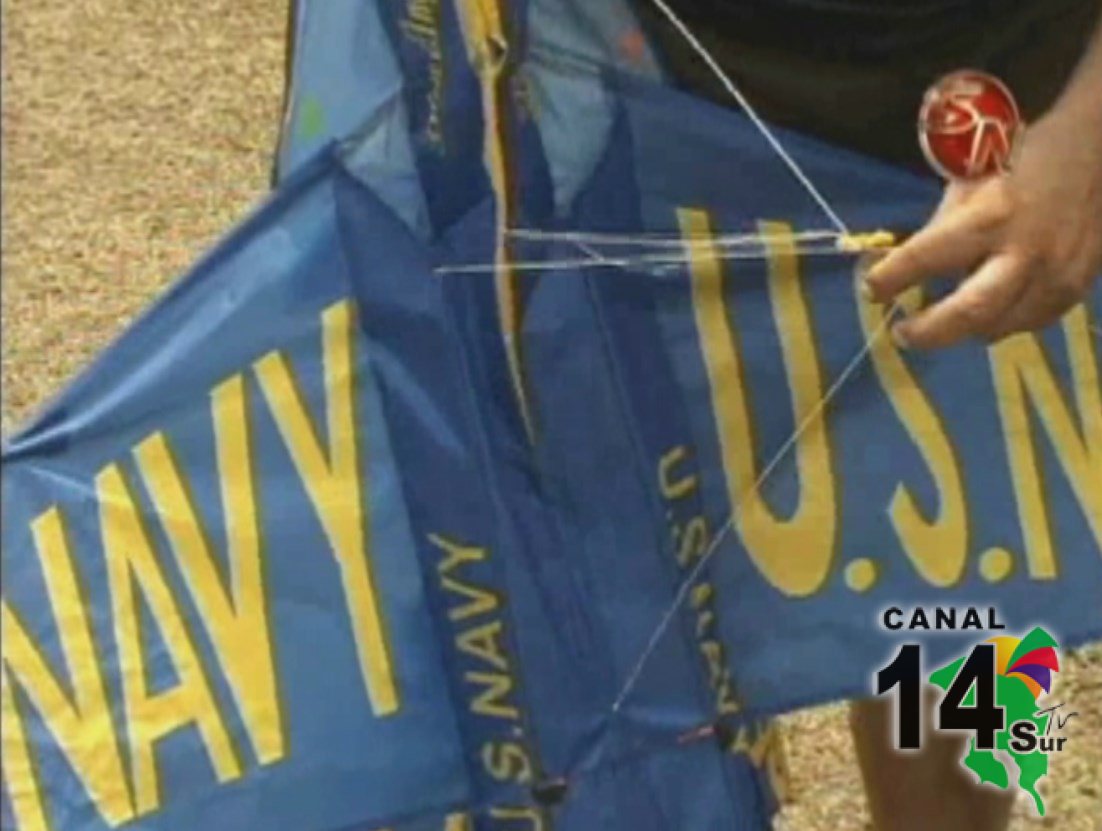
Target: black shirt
{"points": [[854, 71], [856, 28]]}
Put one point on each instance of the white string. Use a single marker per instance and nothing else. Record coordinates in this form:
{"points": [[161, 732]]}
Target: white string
{"points": [[690, 579], [671, 240], [603, 261], [810, 418], [729, 524], [729, 85], [746, 246], [852, 367], [600, 260]]}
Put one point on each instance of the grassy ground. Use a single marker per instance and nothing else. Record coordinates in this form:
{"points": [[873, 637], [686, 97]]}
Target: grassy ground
{"points": [[135, 132]]}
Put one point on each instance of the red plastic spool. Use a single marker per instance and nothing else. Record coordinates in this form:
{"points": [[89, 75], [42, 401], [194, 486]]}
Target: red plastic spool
{"points": [[968, 125]]}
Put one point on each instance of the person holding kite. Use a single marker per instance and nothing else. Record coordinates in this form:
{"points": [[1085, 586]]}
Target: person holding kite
{"points": [[1022, 230]]}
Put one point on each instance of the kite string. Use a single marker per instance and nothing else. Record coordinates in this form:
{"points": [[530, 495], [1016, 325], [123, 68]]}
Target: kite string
{"points": [[757, 120], [673, 250], [674, 240], [639, 261], [690, 579], [809, 418]]}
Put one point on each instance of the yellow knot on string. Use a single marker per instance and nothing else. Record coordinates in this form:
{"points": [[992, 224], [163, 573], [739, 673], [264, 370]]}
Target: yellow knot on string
{"points": [[870, 241]]}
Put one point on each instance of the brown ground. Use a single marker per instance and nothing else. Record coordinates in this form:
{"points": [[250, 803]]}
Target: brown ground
{"points": [[137, 131]]}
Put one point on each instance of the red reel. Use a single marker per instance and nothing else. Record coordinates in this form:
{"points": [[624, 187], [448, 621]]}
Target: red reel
{"points": [[968, 125]]}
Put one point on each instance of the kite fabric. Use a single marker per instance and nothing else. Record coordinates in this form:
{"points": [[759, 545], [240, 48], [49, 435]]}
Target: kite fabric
{"points": [[523, 454]]}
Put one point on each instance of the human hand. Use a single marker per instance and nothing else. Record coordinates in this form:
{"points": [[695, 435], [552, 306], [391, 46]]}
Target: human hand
{"points": [[1030, 241]]}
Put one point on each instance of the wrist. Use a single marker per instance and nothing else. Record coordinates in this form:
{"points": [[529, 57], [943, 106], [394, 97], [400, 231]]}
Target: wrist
{"points": [[1080, 109], [1072, 131], [1080, 104]]}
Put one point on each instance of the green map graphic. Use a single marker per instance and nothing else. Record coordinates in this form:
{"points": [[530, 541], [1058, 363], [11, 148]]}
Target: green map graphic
{"points": [[1011, 693]]}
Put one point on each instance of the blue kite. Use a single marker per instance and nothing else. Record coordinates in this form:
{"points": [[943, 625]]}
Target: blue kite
{"points": [[514, 462]]}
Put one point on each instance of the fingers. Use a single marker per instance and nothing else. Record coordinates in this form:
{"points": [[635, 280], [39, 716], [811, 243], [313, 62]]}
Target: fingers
{"points": [[960, 234], [1024, 255], [1037, 308], [957, 193], [979, 306]]}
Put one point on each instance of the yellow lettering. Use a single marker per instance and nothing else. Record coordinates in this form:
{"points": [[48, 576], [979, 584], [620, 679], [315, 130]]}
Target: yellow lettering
{"points": [[19, 774], [529, 816], [150, 717], [705, 620], [481, 601], [1022, 372], [938, 547], [80, 725], [483, 642], [796, 554], [237, 620], [701, 594], [507, 761], [719, 677], [458, 822], [456, 554], [492, 700], [694, 541], [332, 480], [682, 487]]}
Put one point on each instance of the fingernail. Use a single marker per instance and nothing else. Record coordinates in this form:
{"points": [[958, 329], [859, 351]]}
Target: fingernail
{"points": [[899, 337], [861, 278]]}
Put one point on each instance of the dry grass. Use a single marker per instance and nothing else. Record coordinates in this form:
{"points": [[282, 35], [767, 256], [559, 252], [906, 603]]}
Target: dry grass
{"points": [[137, 131]]}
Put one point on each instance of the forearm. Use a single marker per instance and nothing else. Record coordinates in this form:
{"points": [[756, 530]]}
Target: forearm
{"points": [[1082, 98]]}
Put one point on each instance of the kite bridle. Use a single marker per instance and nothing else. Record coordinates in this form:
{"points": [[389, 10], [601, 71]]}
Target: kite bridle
{"points": [[847, 241], [813, 414]]}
